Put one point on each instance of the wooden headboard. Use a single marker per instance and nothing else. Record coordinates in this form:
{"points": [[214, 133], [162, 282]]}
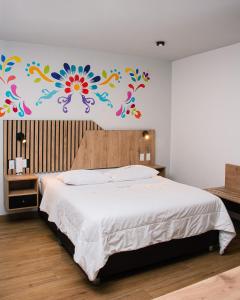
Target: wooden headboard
{"points": [[114, 148], [56, 145], [232, 177], [51, 144]]}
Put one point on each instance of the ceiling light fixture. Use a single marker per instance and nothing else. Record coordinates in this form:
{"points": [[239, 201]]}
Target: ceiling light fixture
{"points": [[160, 43]]}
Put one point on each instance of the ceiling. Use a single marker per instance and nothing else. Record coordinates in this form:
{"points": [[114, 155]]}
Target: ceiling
{"points": [[124, 26]]}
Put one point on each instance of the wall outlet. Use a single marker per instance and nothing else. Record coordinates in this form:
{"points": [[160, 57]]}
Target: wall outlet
{"points": [[11, 165], [141, 157], [148, 156], [24, 163]]}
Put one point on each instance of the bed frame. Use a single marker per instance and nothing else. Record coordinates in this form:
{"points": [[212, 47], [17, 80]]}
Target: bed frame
{"points": [[122, 262]]}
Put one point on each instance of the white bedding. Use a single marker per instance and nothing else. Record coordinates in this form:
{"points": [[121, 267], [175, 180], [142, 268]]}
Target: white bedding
{"points": [[104, 219]]}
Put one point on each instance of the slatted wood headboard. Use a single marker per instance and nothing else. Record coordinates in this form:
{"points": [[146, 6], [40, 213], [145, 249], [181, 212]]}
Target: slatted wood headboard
{"points": [[51, 144]]}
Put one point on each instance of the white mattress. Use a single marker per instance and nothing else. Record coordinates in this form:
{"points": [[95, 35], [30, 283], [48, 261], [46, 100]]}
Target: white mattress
{"points": [[104, 219]]}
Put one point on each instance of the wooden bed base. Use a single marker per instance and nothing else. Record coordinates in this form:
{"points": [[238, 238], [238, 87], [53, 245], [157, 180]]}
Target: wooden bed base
{"points": [[132, 260]]}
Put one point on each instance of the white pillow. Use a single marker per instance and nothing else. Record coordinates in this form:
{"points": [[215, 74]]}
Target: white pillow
{"points": [[81, 177], [132, 172]]}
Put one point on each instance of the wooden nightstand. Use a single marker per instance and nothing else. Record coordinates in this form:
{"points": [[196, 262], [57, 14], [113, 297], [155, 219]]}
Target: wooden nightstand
{"points": [[230, 193], [21, 192], [230, 198], [160, 169]]}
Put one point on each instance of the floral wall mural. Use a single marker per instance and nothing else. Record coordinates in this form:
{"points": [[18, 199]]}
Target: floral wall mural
{"points": [[80, 81], [12, 102]]}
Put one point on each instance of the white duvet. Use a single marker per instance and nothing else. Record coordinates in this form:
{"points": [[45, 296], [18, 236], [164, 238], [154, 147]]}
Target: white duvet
{"points": [[103, 219]]}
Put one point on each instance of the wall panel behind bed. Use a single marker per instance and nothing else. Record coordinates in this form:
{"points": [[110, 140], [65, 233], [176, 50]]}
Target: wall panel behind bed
{"points": [[51, 144]]}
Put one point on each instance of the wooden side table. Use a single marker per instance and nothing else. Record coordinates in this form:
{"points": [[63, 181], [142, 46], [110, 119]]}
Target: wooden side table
{"points": [[21, 192], [230, 193], [160, 169], [231, 198]]}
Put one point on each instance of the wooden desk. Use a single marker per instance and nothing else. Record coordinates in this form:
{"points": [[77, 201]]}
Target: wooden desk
{"points": [[230, 193], [224, 286], [231, 198]]}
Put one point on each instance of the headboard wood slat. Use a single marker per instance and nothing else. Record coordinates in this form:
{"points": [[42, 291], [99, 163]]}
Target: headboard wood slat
{"points": [[27, 148], [37, 150], [5, 145], [40, 147], [31, 145], [14, 142], [23, 154]]}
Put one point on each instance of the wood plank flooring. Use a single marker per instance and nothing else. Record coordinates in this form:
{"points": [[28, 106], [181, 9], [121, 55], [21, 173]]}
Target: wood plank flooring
{"points": [[222, 286], [34, 266]]}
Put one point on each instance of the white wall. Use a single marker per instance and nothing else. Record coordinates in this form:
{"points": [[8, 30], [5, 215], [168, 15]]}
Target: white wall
{"points": [[205, 126], [154, 100]]}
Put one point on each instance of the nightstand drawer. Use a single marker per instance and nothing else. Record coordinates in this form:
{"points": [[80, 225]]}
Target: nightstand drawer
{"points": [[23, 201]]}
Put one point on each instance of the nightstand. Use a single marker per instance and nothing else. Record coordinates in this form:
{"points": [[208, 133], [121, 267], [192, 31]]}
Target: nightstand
{"points": [[160, 169], [21, 192], [231, 198], [230, 193]]}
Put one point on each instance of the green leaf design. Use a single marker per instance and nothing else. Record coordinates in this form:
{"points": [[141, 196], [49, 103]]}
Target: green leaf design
{"points": [[37, 80], [134, 111], [46, 69], [112, 85], [104, 74]]}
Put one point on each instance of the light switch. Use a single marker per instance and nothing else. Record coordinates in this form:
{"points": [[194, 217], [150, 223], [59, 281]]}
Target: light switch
{"points": [[148, 156], [24, 163], [141, 158], [11, 164]]}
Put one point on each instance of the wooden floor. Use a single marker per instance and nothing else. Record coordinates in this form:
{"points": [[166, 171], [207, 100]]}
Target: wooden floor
{"points": [[34, 266], [222, 286]]}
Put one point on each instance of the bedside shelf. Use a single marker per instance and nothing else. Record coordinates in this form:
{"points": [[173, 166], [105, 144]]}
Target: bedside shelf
{"points": [[22, 192], [21, 177]]}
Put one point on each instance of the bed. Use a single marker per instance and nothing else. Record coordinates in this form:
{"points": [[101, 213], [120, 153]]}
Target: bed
{"points": [[116, 226], [119, 226]]}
